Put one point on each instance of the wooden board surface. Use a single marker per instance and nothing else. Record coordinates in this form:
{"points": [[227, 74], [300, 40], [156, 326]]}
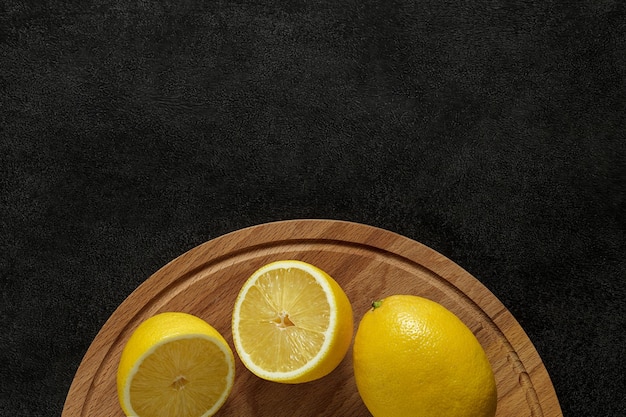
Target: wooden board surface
{"points": [[369, 263]]}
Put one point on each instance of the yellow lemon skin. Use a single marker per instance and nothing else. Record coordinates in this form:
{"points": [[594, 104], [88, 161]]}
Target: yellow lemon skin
{"points": [[179, 331], [413, 357]]}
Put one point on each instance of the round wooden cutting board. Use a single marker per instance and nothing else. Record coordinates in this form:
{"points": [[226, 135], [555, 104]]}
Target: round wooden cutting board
{"points": [[369, 263]]}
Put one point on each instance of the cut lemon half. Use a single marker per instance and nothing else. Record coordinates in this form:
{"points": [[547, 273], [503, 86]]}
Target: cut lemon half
{"points": [[292, 322], [175, 364]]}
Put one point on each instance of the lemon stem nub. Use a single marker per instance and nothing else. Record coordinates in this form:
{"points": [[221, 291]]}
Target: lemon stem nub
{"points": [[377, 304]]}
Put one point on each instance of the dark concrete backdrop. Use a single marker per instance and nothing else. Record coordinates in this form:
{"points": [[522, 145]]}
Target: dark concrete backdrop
{"points": [[491, 131]]}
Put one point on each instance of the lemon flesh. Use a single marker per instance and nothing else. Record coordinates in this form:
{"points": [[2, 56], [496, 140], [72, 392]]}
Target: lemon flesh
{"points": [[292, 322], [413, 357], [174, 364]]}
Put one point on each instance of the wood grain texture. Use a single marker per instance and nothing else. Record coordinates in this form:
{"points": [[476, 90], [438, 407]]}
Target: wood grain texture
{"points": [[369, 263]]}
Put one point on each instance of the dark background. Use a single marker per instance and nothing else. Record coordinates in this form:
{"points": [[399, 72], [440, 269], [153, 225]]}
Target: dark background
{"points": [[491, 131]]}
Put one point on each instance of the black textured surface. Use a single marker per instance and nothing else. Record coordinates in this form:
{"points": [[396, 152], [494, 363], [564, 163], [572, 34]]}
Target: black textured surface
{"points": [[491, 131]]}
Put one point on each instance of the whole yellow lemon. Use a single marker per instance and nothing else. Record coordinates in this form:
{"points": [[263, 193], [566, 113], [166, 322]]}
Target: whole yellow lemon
{"points": [[413, 357]]}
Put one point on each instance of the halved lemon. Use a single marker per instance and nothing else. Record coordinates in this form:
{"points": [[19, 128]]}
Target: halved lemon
{"points": [[175, 364], [291, 322]]}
